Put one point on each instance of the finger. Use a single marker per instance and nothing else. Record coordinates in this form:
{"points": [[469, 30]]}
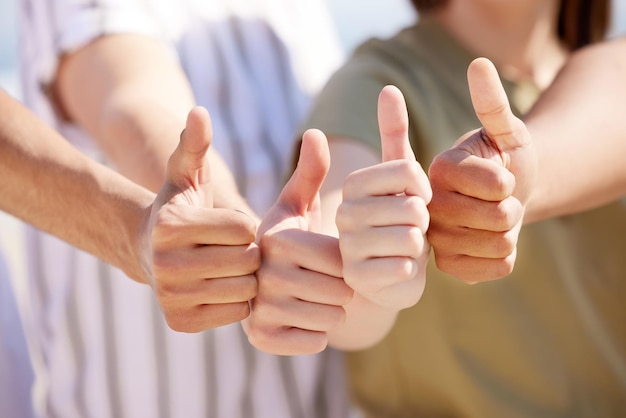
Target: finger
{"points": [[180, 224], [388, 178], [208, 261], [295, 245], [203, 317], [455, 209], [473, 269], [382, 211], [386, 241], [480, 244], [185, 294], [188, 166], [299, 314], [306, 285], [286, 341], [370, 276], [401, 295], [393, 122], [492, 106], [485, 179], [303, 187]]}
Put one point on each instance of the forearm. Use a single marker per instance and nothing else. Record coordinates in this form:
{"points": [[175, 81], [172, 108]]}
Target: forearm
{"points": [[136, 110], [50, 184], [366, 324], [579, 129], [137, 102]]}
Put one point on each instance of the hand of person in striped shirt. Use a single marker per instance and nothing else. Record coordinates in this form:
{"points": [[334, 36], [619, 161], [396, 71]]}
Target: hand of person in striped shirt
{"points": [[201, 259]]}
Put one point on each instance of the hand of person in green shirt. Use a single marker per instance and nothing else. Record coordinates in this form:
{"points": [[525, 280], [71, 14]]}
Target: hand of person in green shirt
{"points": [[303, 302], [481, 186], [382, 220]]}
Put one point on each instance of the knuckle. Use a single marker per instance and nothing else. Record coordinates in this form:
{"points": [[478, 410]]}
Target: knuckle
{"points": [[447, 264], [245, 227], [352, 182], [162, 264], [415, 240], [337, 317], [167, 294], [166, 223], [346, 295], [272, 244], [241, 312], [251, 259], [403, 269], [179, 322], [262, 337], [501, 183], [268, 280], [358, 279], [250, 287], [345, 218], [505, 244]]}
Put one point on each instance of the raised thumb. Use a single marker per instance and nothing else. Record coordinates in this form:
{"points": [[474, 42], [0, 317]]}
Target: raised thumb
{"points": [[492, 106], [302, 189], [393, 123], [188, 166]]}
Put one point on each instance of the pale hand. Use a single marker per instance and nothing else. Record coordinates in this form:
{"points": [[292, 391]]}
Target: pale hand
{"points": [[383, 219], [301, 293]]}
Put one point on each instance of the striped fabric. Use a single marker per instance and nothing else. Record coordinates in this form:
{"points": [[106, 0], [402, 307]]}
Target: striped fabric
{"points": [[99, 342]]}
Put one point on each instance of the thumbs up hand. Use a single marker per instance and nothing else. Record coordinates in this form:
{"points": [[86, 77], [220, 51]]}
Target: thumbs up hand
{"points": [[300, 290], [480, 186], [201, 260], [383, 218]]}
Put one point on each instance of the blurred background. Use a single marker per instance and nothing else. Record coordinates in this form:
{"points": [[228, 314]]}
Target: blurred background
{"points": [[374, 18]]}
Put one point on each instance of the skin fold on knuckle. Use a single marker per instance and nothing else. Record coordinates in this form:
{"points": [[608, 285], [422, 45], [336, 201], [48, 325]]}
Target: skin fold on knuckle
{"points": [[169, 295], [167, 223], [274, 245], [250, 259], [346, 218], [166, 265], [417, 210]]}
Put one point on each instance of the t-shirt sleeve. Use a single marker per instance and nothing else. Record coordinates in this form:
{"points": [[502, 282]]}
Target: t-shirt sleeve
{"points": [[53, 28]]}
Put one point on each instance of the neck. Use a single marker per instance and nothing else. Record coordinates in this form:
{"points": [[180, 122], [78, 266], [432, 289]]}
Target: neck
{"points": [[519, 37]]}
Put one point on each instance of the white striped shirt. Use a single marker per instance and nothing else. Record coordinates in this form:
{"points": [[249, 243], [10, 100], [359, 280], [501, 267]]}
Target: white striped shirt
{"points": [[100, 345]]}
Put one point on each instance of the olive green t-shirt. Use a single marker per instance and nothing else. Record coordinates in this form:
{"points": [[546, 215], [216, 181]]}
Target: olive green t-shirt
{"points": [[547, 341]]}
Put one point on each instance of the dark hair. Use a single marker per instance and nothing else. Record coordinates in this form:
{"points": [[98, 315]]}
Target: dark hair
{"points": [[423, 6], [581, 22]]}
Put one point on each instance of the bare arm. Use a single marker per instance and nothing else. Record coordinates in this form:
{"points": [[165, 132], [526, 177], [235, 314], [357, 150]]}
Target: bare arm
{"points": [[163, 241], [579, 129], [50, 184], [564, 158], [137, 101]]}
